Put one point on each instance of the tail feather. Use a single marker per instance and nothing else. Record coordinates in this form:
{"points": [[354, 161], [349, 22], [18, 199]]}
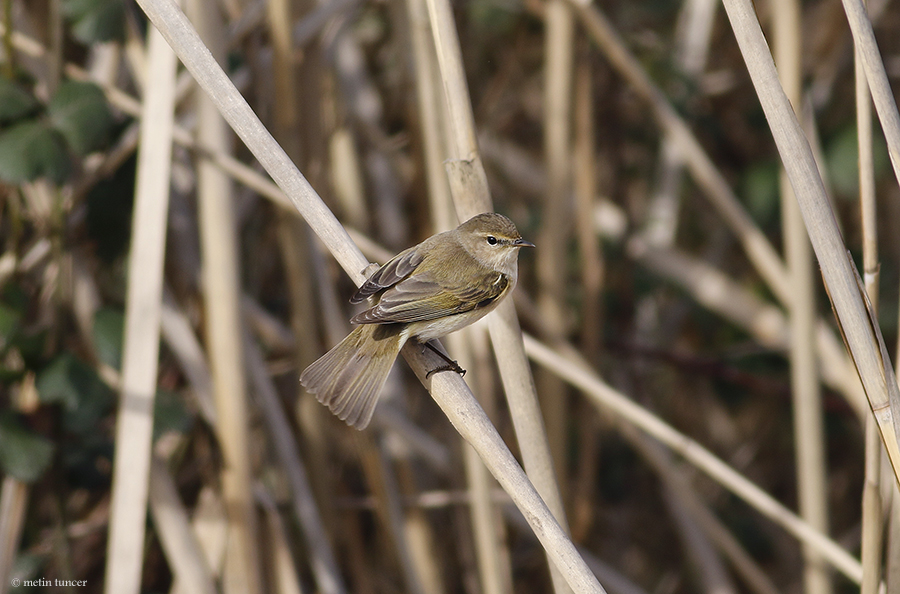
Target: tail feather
{"points": [[348, 379]]}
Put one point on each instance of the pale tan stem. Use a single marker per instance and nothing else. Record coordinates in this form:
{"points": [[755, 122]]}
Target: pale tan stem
{"points": [[861, 334], [13, 504], [556, 226], [134, 427], [324, 566], [812, 480], [872, 509], [611, 401], [758, 249], [221, 298], [471, 195], [170, 518]]}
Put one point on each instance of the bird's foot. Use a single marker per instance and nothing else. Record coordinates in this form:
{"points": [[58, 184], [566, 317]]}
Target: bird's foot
{"points": [[450, 366]]}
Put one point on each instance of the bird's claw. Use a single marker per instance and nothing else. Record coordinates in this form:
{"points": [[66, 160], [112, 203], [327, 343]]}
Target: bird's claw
{"points": [[451, 366]]}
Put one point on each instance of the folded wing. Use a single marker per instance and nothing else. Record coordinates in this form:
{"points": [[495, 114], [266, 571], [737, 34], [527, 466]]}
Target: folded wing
{"points": [[419, 298]]}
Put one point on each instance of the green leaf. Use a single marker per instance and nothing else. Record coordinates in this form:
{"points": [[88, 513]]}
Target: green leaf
{"points": [[27, 565], [96, 20], [9, 323], [30, 150], [23, 454], [74, 385], [80, 112], [15, 102], [842, 159], [760, 189], [108, 327], [170, 414]]}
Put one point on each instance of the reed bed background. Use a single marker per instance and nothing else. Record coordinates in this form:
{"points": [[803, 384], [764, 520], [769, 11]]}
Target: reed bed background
{"points": [[670, 375]]}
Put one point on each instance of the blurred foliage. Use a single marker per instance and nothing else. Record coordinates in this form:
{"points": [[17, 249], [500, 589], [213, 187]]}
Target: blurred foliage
{"points": [[83, 397], [32, 149], [760, 189], [842, 160], [35, 140], [170, 414], [94, 21], [109, 324], [23, 453], [81, 114]]}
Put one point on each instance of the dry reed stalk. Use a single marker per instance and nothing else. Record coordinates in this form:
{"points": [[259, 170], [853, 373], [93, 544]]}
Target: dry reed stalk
{"points": [[13, 503], [592, 270], [711, 575], [809, 440], [605, 397], [429, 101], [861, 333], [170, 518], [273, 335], [346, 178], [448, 390], [470, 421], [315, 20], [495, 574], [556, 227], [872, 517], [491, 554], [704, 559], [616, 582], [418, 530], [296, 127], [285, 578], [879, 87], [180, 338], [383, 483], [693, 34], [679, 488], [221, 299], [237, 112], [758, 249], [324, 566], [286, 127], [210, 527], [765, 322], [317, 432], [359, 560], [676, 483], [469, 189], [364, 102], [134, 427], [585, 191]]}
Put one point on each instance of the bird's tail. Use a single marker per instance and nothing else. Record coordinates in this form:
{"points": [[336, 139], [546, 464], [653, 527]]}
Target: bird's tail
{"points": [[348, 378]]}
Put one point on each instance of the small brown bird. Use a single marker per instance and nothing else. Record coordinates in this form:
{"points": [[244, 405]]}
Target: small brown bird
{"points": [[445, 283]]}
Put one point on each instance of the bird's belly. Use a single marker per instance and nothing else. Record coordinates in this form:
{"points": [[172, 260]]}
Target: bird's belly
{"points": [[425, 331]]}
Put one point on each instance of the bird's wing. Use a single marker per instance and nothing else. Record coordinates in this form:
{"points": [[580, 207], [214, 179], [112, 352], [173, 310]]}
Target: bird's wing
{"points": [[398, 268], [419, 298]]}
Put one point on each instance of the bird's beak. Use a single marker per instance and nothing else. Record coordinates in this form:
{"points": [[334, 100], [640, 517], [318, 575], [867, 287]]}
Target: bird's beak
{"points": [[522, 243]]}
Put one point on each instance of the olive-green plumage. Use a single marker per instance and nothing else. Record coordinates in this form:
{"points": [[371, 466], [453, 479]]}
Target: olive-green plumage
{"points": [[445, 283]]}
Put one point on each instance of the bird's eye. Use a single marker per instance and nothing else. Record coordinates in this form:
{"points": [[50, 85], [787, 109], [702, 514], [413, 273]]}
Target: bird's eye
{"points": [[492, 240]]}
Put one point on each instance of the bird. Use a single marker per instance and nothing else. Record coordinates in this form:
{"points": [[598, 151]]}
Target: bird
{"points": [[447, 282]]}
